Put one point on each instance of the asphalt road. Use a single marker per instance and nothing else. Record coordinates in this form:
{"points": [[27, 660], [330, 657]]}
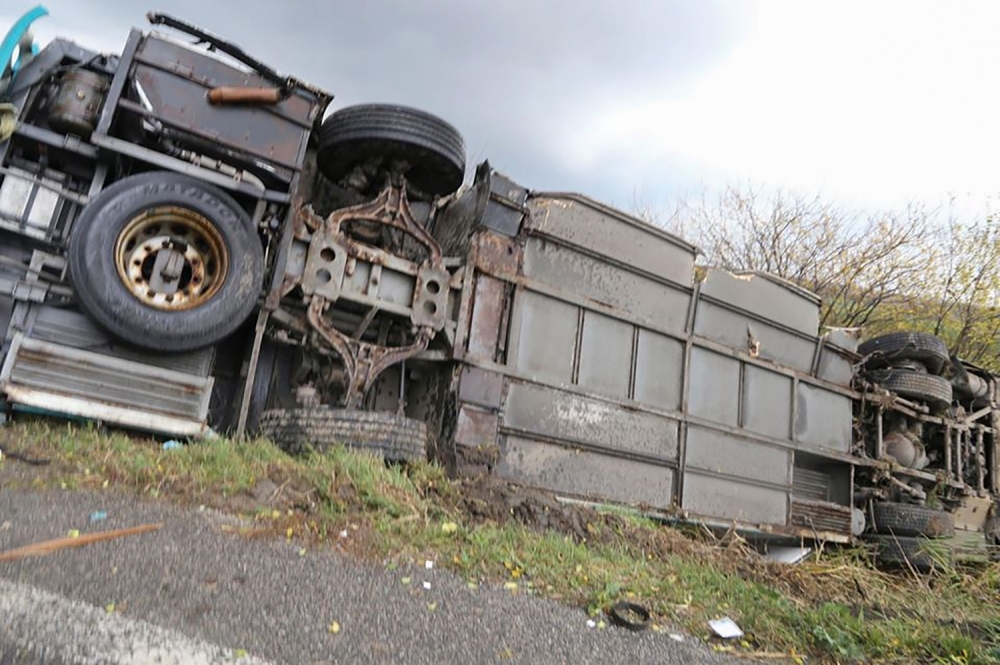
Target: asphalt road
{"points": [[193, 593]]}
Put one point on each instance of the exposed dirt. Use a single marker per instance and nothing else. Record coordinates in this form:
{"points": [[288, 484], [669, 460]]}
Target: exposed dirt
{"points": [[489, 499], [485, 498]]}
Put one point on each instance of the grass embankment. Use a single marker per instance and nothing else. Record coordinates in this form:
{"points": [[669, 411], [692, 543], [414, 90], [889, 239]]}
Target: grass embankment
{"points": [[832, 608]]}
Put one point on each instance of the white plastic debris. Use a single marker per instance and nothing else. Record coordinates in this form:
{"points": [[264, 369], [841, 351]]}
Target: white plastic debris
{"points": [[343, 534], [591, 623], [676, 637], [428, 564], [427, 585], [725, 628], [787, 555]]}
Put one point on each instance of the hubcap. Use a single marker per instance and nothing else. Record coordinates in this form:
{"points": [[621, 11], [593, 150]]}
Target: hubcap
{"points": [[171, 258]]}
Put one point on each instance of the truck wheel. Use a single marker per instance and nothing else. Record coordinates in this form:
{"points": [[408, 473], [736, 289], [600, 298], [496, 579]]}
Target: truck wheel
{"points": [[901, 519], [930, 388], [166, 262], [898, 551], [432, 150], [922, 347], [304, 429]]}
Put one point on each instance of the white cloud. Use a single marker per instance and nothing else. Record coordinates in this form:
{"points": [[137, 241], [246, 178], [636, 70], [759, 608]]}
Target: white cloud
{"points": [[869, 103], [876, 103]]}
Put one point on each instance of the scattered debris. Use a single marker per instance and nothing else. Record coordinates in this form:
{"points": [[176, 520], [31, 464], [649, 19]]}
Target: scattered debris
{"points": [[427, 585], [787, 555], [428, 564], [449, 527], [630, 616], [591, 623], [343, 534], [676, 637], [334, 627], [405, 580], [98, 516], [725, 628], [172, 444], [49, 546], [21, 457]]}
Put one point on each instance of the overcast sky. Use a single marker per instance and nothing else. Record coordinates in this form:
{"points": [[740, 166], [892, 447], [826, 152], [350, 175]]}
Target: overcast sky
{"points": [[870, 104]]}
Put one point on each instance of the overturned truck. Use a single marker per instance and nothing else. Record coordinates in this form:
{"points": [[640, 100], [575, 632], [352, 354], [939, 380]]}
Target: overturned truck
{"points": [[190, 243]]}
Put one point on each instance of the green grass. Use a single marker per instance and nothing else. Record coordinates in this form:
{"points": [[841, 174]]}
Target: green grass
{"points": [[834, 608]]}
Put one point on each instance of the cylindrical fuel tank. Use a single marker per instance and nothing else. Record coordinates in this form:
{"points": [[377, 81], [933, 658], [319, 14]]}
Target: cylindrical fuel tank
{"points": [[77, 102]]}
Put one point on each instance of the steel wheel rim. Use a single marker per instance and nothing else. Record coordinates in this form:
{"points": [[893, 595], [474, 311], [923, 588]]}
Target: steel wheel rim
{"points": [[171, 258]]}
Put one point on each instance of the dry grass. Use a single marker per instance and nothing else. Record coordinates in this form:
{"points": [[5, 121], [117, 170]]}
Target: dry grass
{"points": [[832, 608]]}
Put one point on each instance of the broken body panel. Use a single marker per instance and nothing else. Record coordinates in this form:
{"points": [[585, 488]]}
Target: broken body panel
{"points": [[543, 337], [596, 365]]}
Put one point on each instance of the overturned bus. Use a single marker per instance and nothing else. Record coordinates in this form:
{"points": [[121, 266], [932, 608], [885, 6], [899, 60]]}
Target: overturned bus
{"points": [[190, 243]]}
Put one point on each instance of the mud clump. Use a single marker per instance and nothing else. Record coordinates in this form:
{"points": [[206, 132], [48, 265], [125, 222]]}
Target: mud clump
{"points": [[485, 499], [490, 499]]}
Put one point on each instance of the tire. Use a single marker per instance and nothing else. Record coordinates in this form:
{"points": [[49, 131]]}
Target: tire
{"points": [[927, 349], [434, 149], [305, 429], [901, 519], [107, 296], [900, 552], [930, 388]]}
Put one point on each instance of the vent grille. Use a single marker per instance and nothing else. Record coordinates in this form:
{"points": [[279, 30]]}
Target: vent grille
{"points": [[60, 370], [822, 517], [72, 329], [811, 485]]}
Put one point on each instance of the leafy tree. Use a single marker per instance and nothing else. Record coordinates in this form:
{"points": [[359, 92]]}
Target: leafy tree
{"points": [[880, 272]]}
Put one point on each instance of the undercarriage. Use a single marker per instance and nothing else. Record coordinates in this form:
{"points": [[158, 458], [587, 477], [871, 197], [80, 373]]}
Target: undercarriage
{"points": [[192, 243]]}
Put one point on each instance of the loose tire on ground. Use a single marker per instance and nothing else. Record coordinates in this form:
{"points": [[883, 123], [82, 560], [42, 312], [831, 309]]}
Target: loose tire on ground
{"points": [[304, 429], [900, 552], [901, 519], [107, 273], [433, 148], [885, 349], [930, 388]]}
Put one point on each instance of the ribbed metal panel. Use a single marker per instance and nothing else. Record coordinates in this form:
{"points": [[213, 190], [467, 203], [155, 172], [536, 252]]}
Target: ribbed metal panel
{"points": [[821, 517], [809, 484], [73, 329], [61, 370]]}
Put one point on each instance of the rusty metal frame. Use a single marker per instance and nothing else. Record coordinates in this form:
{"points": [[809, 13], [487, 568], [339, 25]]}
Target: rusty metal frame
{"points": [[364, 361]]}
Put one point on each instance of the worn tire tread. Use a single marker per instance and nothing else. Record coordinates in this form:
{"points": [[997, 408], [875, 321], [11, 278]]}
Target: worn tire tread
{"points": [[923, 347], [436, 148], [903, 519], [915, 385], [301, 430], [898, 551]]}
